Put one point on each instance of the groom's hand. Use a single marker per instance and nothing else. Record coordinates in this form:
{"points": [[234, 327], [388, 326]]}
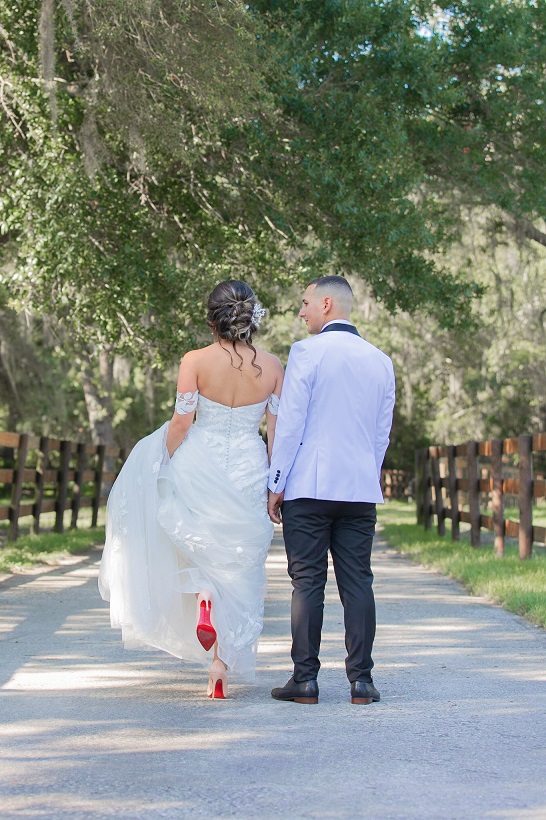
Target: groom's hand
{"points": [[274, 506]]}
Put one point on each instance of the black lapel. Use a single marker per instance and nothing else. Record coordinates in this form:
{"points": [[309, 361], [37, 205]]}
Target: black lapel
{"points": [[340, 326]]}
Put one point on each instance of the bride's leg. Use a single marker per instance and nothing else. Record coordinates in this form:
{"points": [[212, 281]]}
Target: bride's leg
{"points": [[206, 635], [217, 656], [217, 687]]}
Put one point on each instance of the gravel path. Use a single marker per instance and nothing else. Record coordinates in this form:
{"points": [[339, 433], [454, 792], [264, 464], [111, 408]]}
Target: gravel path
{"points": [[89, 730]]}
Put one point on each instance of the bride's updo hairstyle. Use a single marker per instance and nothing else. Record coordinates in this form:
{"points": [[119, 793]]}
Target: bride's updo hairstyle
{"points": [[232, 316]]}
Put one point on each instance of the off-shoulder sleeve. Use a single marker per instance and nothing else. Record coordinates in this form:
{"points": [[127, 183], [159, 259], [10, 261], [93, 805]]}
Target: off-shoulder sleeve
{"points": [[273, 404], [186, 402]]}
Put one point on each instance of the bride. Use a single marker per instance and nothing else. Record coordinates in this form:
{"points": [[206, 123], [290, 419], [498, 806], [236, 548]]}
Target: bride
{"points": [[187, 528]]}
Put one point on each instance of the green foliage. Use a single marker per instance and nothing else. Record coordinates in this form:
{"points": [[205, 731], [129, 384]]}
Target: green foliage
{"points": [[455, 385], [153, 148], [518, 585], [361, 177], [488, 104], [150, 149], [125, 195]]}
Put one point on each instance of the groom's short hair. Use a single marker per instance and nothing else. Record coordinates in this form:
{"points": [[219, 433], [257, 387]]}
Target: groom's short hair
{"points": [[337, 287]]}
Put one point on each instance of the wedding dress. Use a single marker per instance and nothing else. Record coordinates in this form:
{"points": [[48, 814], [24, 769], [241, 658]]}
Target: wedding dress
{"points": [[197, 521]]}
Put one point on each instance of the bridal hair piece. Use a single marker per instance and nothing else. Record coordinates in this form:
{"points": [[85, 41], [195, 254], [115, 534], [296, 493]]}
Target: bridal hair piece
{"points": [[234, 315], [257, 314]]}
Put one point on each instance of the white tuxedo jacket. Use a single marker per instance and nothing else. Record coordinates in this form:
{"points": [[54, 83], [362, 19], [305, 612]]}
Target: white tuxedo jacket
{"points": [[334, 420]]}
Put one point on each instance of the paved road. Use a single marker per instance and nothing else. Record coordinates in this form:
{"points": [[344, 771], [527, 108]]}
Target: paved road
{"points": [[89, 730]]}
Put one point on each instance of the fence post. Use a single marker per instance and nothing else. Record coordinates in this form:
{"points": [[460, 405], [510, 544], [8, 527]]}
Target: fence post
{"points": [[453, 492], [427, 493], [77, 494], [473, 491], [63, 486], [496, 496], [101, 451], [525, 496], [41, 467], [437, 481], [17, 491], [417, 487]]}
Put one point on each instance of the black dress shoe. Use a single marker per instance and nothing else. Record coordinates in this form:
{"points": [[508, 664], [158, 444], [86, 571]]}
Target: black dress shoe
{"points": [[306, 692], [362, 692]]}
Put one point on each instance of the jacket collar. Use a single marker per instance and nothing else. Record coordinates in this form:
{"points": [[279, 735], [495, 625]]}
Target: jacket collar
{"points": [[340, 326]]}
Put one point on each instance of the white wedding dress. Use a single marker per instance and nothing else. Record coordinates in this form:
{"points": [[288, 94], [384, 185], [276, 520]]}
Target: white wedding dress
{"points": [[195, 522]]}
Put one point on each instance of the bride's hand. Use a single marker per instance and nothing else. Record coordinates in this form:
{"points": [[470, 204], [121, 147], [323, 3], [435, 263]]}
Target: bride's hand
{"points": [[274, 506]]}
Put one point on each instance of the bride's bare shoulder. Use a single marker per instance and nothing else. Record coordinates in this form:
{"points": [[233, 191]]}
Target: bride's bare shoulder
{"points": [[272, 361], [198, 353], [193, 361]]}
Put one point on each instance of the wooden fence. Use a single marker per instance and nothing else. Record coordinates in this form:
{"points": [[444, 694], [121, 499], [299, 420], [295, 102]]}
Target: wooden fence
{"points": [[448, 479], [42, 475], [397, 484]]}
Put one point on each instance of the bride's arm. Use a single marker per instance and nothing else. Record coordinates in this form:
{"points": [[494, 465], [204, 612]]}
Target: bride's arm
{"points": [[186, 402], [271, 418]]}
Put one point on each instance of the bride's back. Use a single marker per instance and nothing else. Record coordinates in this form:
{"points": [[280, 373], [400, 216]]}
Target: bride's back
{"points": [[229, 376]]}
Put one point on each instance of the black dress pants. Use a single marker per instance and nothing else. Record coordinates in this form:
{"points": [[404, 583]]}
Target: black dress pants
{"points": [[346, 528]]}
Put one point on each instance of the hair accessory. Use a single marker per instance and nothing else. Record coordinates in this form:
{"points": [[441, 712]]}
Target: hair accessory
{"points": [[257, 314]]}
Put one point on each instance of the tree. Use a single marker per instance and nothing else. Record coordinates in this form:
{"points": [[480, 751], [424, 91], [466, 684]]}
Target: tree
{"points": [[110, 222], [405, 109], [150, 149], [453, 386], [484, 139], [274, 155], [119, 203]]}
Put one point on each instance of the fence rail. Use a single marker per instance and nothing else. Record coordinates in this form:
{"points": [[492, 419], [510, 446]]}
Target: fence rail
{"points": [[47, 475], [444, 475]]}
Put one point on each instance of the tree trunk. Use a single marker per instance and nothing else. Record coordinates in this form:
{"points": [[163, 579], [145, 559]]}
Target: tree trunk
{"points": [[529, 231], [149, 397], [46, 30], [97, 389]]}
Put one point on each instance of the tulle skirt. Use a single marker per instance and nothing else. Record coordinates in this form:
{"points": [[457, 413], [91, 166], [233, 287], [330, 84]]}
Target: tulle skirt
{"points": [[176, 527]]}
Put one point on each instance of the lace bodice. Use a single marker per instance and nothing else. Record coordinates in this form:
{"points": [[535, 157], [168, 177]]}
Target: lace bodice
{"points": [[229, 421], [232, 434]]}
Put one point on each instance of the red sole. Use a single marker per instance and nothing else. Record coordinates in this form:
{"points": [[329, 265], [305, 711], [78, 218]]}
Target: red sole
{"points": [[218, 691], [206, 635]]}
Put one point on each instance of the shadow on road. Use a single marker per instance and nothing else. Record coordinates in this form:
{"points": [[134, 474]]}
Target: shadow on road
{"points": [[92, 730]]}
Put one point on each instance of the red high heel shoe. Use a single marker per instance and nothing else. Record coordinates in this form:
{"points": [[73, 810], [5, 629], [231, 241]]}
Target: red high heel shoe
{"points": [[217, 688], [206, 633]]}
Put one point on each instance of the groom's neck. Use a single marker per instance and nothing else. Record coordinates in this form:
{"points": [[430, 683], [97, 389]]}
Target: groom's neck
{"points": [[336, 318]]}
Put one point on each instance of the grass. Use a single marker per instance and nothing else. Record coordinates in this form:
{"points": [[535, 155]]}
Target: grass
{"points": [[48, 548], [539, 515], [519, 586]]}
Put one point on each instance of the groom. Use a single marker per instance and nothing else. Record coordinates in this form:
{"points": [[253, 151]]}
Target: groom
{"points": [[331, 436]]}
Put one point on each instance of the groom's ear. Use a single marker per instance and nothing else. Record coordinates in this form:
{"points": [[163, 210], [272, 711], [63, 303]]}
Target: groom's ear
{"points": [[327, 304]]}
